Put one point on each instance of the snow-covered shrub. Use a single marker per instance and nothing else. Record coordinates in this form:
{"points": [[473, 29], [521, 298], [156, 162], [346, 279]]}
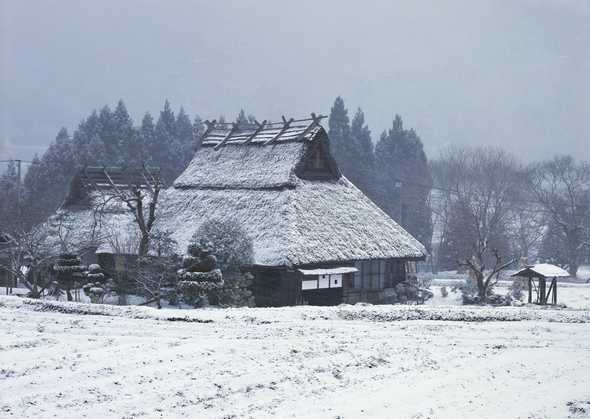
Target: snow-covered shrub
{"points": [[408, 291], [470, 295], [517, 287], [469, 291], [444, 292], [424, 281], [233, 250], [68, 271], [199, 274], [155, 278], [95, 287], [236, 291], [233, 247]]}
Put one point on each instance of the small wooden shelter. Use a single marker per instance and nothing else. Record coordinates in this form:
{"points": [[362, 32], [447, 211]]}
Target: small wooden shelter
{"points": [[541, 272]]}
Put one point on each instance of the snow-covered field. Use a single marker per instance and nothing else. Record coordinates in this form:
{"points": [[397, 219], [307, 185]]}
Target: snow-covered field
{"points": [[347, 362]]}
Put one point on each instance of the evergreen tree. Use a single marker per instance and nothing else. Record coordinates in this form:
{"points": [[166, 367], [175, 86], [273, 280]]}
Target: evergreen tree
{"points": [[186, 139], [107, 133], [244, 121], [109, 138], [83, 136], [404, 180], [47, 179], [340, 139], [167, 152], [8, 198], [363, 171], [124, 136], [147, 139], [198, 132], [352, 147]]}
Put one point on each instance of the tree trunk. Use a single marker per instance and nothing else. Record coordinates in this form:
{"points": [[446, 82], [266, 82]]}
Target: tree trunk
{"points": [[481, 288], [573, 267], [144, 245]]}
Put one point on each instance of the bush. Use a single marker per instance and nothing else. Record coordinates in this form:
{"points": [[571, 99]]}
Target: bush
{"points": [[517, 288], [232, 246], [444, 292], [234, 250]]}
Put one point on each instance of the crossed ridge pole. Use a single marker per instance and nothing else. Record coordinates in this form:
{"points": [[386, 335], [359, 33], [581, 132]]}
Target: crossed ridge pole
{"points": [[235, 128], [286, 124], [259, 127]]}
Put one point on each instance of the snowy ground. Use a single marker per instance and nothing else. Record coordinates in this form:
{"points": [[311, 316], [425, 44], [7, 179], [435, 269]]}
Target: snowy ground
{"points": [[348, 362]]}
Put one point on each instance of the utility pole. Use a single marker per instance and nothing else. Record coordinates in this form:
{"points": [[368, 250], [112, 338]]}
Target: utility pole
{"points": [[18, 188]]}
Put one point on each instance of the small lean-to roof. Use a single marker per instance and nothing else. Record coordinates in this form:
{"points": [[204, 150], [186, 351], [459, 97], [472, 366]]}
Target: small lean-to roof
{"points": [[544, 270]]}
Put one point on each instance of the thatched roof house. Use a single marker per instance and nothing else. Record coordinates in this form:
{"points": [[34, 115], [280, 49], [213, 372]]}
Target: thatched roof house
{"points": [[281, 184]]}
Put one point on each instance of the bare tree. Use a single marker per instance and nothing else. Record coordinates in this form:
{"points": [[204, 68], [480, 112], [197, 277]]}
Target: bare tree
{"points": [[479, 187], [527, 227], [155, 276], [137, 189], [28, 258], [562, 187]]}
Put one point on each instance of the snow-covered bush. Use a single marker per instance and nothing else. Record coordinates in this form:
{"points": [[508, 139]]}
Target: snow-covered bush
{"points": [[470, 295], [444, 292], [233, 250], [69, 272], [199, 274], [95, 287], [233, 247], [155, 277], [517, 287], [408, 291]]}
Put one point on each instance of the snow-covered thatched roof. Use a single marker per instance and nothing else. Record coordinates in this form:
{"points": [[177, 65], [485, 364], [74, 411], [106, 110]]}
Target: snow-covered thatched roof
{"points": [[545, 270], [280, 183]]}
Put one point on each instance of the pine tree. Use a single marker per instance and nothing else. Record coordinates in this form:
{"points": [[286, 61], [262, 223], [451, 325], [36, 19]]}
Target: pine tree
{"points": [[107, 133], [186, 139], [198, 132], [87, 130], [147, 140], [8, 198], [124, 136], [167, 151], [404, 180], [362, 173], [352, 147], [47, 179], [340, 138]]}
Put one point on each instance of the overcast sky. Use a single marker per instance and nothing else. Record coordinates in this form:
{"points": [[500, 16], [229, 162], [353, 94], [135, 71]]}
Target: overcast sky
{"points": [[513, 73]]}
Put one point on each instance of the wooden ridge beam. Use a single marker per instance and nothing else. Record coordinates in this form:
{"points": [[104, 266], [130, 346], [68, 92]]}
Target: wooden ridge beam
{"points": [[286, 125], [231, 132], [259, 127], [315, 121]]}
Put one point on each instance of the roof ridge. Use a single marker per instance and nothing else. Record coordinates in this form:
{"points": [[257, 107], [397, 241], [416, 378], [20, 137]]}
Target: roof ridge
{"points": [[265, 133]]}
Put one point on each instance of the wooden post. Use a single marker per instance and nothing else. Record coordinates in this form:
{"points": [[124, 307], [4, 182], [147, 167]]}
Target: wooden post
{"points": [[542, 287], [530, 290], [554, 285]]}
